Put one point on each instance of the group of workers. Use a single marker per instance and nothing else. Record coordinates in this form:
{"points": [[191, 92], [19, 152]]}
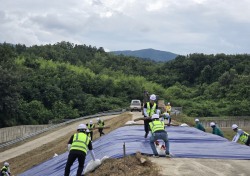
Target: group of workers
{"points": [[80, 142], [241, 135], [153, 123]]}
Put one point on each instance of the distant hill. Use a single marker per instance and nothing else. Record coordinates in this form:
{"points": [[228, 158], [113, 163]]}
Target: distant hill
{"points": [[152, 54]]}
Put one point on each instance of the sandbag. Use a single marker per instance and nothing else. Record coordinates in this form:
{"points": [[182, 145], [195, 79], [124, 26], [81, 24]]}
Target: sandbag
{"points": [[92, 165]]}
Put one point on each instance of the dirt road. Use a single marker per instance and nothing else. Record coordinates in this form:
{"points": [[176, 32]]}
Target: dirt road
{"points": [[204, 167]]}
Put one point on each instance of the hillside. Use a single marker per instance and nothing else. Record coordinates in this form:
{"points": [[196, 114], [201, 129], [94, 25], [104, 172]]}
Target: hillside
{"points": [[151, 54], [66, 81]]}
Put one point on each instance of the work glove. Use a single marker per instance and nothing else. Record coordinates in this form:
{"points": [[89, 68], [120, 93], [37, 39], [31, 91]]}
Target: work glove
{"points": [[69, 146]]}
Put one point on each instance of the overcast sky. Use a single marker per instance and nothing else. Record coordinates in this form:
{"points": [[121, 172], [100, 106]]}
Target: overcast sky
{"points": [[178, 26]]}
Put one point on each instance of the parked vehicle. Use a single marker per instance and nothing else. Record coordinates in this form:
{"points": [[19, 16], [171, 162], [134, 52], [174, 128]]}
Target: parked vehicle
{"points": [[135, 105]]}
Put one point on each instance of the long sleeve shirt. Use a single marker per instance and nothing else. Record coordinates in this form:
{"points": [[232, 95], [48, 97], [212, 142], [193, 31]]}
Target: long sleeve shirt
{"points": [[200, 126], [238, 134], [217, 131]]}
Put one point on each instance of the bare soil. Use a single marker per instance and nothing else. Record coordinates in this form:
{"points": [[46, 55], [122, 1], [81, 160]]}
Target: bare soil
{"points": [[128, 166]]}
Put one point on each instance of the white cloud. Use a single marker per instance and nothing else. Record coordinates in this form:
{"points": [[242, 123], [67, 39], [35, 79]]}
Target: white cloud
{"points": [[180, 26]]}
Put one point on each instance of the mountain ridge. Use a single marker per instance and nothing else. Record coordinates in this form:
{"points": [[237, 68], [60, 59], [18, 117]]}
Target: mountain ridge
{"points": [[149, 53]]}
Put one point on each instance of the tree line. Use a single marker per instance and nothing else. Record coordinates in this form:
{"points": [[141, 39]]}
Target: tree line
{"points": [[65, 81]]}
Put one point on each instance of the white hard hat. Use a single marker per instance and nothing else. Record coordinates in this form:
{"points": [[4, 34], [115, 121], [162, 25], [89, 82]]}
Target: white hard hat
{"points": [[234, 126], [197, 120], [153, 97], [168, 103], [90, 122], [6, 164], [81, 127], [87, 130], [155, 116], [98, 119], [212, 124]]}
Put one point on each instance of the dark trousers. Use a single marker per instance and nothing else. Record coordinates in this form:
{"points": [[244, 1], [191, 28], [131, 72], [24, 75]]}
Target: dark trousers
{"points": [[146, 125], [248, 141], [73, 155], [91, 135], [101, 131]]}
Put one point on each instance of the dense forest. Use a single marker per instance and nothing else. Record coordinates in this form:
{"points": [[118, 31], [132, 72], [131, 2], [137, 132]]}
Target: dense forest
{"points": [[65, 80]]}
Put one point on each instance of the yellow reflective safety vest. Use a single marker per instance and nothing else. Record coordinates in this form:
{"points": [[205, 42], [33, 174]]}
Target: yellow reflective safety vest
{"points": [[90, 126], [151, 111], [3, 170], [156, 125], [101, 123], [244, 137], [80, 142], [168, 108]]}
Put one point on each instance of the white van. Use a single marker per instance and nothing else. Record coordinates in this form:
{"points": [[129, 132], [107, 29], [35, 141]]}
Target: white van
{"points": [[135, 105]]}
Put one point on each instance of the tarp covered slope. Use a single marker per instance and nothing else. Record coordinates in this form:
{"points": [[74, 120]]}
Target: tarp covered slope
{"points": [[186, 142]]}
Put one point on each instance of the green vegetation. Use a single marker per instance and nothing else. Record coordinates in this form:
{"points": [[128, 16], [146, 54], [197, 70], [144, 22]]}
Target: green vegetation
{"points": [[62, 81]]}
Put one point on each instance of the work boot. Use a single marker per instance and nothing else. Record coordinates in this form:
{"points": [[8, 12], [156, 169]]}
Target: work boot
{"points": [[146, 135], [168, 154]]}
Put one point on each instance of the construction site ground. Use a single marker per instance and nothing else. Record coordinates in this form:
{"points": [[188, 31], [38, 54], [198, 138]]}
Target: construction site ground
{"points": [[22, 156]]}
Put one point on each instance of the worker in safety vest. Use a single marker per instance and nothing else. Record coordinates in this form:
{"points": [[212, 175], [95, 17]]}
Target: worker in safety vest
{"points": [[78, 146], [149, 109], [168, 108], [90, 126], [240, 135], [158, 132], [100, 124], [216, 130], [199, 126], [5, 171]]}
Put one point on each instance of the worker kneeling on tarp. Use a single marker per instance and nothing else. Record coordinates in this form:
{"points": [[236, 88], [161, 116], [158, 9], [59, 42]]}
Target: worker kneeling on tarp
{"points": [[158, 132]]}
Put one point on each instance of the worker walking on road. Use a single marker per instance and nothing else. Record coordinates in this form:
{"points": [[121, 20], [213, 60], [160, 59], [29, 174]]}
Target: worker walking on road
{"points": [[90, 126], [216, 130], [149, 109], [240, 135], [198, 125], [100, 124], [5, 171], [78, 146], [158, 132]]}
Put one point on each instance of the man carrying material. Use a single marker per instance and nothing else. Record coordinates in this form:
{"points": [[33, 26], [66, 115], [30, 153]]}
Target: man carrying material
{"points": [[216, 130], [100, 124], [78, 146], [240, 135], [5, 171], [149, 109], [158, 132], [91, 127], [198, 125]]}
